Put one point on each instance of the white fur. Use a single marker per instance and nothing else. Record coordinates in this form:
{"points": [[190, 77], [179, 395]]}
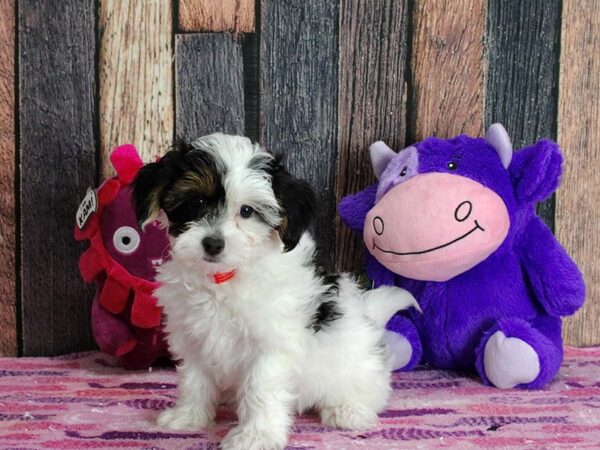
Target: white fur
{"points": [[250, 336]]}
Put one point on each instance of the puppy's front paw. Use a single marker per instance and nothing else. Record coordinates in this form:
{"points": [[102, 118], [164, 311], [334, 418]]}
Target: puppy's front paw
{"points": [[348, 416], [181, 417], [250, 438]]}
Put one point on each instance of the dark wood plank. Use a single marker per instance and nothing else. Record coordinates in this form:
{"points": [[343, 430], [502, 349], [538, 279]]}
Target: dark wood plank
{"points": [[217, 15], [577, 213], [135, 77], [298, 96], [209, 85], [58, 163], [523, 39], [8, 323], [447, 68], [250, 50], [372, 100]]}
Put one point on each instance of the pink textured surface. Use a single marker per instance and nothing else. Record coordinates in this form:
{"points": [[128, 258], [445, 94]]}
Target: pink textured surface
{"points": [[84, 401]]}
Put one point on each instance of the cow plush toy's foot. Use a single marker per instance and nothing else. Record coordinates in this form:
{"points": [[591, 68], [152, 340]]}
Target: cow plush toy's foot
{"points": [[516, 353], [403, 342]]}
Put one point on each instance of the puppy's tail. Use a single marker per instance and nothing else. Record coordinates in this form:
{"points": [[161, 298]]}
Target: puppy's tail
{"points": [[385, 301]]}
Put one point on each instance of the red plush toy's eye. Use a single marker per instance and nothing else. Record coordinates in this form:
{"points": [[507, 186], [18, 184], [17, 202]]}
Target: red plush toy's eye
{"points": [[126, 240]]}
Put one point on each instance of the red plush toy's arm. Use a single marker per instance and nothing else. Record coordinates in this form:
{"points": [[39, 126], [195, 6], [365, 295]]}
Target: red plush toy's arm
{"points": [[553, 275]]}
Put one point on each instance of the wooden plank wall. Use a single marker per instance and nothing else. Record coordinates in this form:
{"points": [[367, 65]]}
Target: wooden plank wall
{"points": [[217, 15], [578, 215], [447, 68], [8, 278], [210, 85], [523, 39], [57, 145], [298, 96], [371, 100], [317, 80], [136, 77]]}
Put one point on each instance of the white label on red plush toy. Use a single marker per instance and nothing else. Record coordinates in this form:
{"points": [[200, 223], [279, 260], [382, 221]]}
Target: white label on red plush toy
{"points": [[87, 207]]}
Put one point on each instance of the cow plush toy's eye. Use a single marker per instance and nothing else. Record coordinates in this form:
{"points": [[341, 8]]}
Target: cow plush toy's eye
{"points": [[452, 165], [404, 171], [126, 240]]}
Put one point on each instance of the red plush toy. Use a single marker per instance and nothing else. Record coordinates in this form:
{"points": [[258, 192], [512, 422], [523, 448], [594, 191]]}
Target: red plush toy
{"points": [[121, 262]]}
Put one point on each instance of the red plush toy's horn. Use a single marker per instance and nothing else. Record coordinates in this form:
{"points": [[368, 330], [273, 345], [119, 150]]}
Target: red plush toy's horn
{"points": [[126, 161]]}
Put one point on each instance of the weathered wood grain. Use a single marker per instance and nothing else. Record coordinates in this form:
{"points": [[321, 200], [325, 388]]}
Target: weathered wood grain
{"points": [[250, 50], [577, 212], [523, 39], [217, 15], [298, 96], [209, 85], [58, 162], [8, 323], [447, 68], [371, 98], [136, 87]]}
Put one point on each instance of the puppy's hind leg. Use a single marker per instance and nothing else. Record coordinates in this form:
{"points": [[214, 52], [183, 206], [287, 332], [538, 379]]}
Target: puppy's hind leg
{"points": [[352, 382], [356, 401], [196, 399]]}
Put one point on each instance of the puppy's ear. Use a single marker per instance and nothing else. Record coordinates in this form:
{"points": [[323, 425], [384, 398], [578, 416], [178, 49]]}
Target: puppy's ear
{"points": [[147, 187], [151, 181], [298, 202]]}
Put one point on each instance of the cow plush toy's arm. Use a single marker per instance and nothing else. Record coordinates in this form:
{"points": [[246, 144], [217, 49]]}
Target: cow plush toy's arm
{"points": [[554, 277]]}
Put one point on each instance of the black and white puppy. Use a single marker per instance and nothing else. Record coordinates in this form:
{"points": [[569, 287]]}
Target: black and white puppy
{"points": [[249, 311]]}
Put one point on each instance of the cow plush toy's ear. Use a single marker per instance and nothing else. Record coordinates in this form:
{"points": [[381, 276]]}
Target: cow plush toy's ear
{"points": [[353, 209], [535, 171]]}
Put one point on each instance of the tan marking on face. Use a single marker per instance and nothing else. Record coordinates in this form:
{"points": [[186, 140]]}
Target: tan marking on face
{"points": [[281, 229], [190, 184]]}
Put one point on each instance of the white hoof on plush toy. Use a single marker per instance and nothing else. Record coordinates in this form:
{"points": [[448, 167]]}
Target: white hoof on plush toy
{"points": [[181, 417], [509, 362], [399, 349], [250, 438], [349, 416]]}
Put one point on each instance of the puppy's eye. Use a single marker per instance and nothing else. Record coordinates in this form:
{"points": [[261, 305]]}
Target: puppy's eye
{"points": [[196, 202], [246, 211], [404, 171], [452, 165]]}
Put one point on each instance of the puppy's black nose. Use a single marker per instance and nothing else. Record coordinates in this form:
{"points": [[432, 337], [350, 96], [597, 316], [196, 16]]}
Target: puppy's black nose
{"points": [[213, 245]]}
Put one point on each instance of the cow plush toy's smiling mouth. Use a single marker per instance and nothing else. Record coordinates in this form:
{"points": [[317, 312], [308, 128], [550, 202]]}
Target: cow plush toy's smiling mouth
{"points": [[475, 228]]}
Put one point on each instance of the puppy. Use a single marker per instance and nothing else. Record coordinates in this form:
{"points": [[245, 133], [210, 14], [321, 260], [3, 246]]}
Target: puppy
{"points": [[250, 310]]}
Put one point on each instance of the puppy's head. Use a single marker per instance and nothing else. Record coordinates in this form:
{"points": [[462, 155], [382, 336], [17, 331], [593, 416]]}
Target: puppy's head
{"points": [[226, 202]]}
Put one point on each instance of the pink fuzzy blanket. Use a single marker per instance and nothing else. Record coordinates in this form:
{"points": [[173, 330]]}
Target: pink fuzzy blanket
{"points": [[85, 401]]}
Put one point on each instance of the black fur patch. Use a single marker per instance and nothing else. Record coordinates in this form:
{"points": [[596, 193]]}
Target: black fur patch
{"points": [[327, 310], [297, 200], [327, 313]]}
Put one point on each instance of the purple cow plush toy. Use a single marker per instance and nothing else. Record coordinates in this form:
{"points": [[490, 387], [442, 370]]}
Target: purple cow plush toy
{"points": [[453, 222]]}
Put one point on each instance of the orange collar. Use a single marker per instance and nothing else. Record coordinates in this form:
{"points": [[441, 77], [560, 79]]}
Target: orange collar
{"points": [[223, 277]]}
